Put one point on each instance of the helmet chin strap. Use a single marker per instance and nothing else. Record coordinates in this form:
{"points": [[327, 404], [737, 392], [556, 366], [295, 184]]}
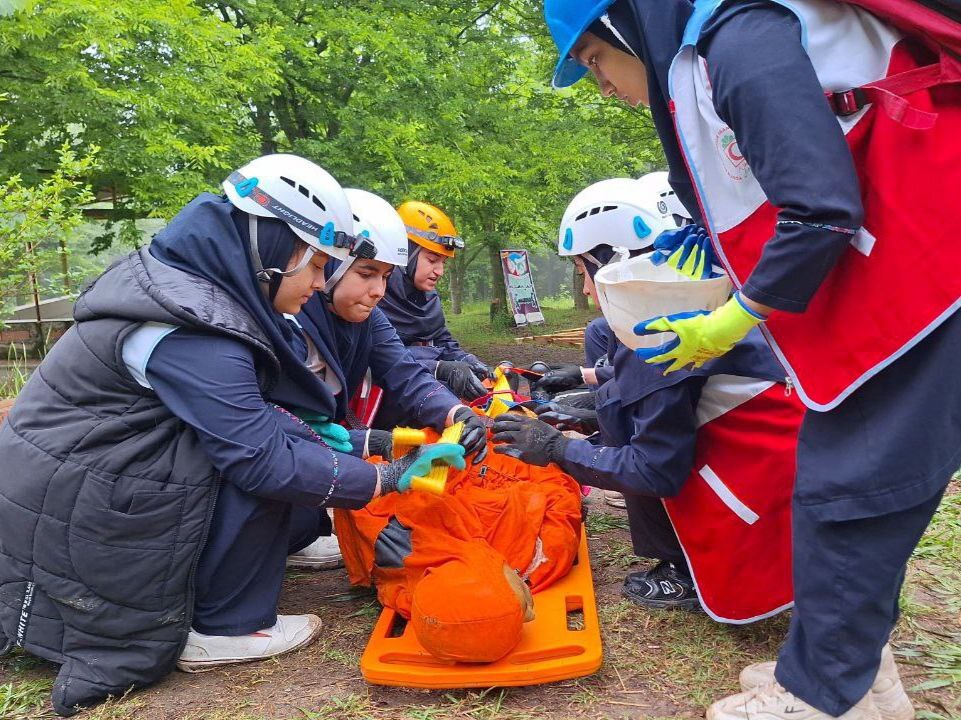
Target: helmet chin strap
{"points": [[265, 275], [413, 254], [610, 26], [336, 278]]}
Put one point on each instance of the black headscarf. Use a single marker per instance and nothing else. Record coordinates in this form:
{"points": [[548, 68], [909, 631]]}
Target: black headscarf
{"points": [[417, 316], [654, 29], [210, 238]]}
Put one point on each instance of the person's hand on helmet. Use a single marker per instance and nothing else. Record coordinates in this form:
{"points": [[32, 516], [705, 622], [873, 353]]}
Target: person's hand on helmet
{"points": [[565, 377], [460, 378], [528, 439], [474, 436], [701, 335], [566, 417], [396, 476], [380, 442]]}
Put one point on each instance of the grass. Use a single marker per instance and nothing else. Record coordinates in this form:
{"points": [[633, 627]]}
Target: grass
{"points": [[25, 699], [473, 328], [601, 522], [14, 373]]}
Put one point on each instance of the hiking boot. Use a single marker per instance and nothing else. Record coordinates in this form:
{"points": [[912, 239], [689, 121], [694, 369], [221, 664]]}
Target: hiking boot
{"points": [[209, 652], [322, 554], [666, 586], [887, 692], [773, 702], [614, 499]]}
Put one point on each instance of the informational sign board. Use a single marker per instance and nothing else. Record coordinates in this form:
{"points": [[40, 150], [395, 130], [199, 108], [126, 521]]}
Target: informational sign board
{"points": [[520, 287]]}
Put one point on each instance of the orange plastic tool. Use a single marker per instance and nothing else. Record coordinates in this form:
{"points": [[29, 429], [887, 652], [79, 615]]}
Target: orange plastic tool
{"points": [[562, 642]]}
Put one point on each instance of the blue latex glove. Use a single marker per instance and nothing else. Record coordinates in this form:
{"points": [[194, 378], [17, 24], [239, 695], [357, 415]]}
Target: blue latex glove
{"points": [[331, 433], [701, 335], [396, 476], [688, 250]]}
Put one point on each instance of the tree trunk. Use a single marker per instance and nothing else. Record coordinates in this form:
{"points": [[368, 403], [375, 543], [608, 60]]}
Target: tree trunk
{"points": [[41, 344], [500, 314], [458, 275], [577, 287], [64, 264]]}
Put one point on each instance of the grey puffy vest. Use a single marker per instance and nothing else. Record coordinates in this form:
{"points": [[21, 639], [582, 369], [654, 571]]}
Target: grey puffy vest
{"points": [[105, 496]]}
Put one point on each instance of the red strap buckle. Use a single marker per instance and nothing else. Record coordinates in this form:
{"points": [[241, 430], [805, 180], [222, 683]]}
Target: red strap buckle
{"points": [[847, 102]]}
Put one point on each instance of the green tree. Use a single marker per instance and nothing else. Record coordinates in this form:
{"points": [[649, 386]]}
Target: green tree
{"points": [[162, 87], [34, 220]]}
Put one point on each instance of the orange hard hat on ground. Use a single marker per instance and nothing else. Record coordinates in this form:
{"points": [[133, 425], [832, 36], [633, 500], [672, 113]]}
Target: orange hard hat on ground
{"points": [[429, 227]]}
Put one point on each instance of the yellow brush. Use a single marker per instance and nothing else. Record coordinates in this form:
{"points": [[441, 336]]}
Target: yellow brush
{"points": [[406, 439]]}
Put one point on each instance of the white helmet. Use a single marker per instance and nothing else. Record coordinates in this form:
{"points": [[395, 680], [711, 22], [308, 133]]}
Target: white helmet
{"points": [[377, 224], [656, 183], [303, 195], [616, 212]]}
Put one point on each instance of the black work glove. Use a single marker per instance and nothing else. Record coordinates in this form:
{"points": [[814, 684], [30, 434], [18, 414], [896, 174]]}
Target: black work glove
{"points": [[380, 442], [529, 439], [460, 378], [566, 377], [482, 371], [474, 437], [566, 417]]}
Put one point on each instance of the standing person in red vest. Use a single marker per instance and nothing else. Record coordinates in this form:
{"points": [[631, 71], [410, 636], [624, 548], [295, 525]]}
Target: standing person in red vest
{"points": [[803, 140]]}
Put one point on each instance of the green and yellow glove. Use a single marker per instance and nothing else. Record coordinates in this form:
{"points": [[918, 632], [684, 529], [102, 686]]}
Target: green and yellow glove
{"points": [[701, 335]]}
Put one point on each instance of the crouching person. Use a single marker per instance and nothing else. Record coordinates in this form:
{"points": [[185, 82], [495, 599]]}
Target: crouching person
{"points": [[705, 457], [149, 472]]}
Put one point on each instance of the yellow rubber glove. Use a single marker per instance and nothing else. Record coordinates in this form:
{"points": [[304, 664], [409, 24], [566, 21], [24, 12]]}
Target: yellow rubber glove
{"points": [[701, 335]]}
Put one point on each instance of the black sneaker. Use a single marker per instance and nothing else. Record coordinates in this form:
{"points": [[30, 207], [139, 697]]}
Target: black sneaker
{"points": [[665, 586]]}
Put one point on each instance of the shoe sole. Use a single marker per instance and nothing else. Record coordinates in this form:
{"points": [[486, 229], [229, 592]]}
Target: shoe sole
{"points": [[315, 564], [201, 666], [691, 604]]}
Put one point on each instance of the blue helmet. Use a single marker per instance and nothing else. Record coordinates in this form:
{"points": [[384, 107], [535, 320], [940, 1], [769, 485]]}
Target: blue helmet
{"points": [[567, 20]]}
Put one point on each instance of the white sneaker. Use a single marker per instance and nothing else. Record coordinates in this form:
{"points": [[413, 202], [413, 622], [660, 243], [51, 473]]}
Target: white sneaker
{"points": [[773, 702], [208, 652], [887, 692], [322, 554], [614, 499]]}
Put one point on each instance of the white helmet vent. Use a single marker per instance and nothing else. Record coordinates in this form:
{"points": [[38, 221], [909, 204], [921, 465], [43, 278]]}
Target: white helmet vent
{"points": [[305, 192], [595, 211]]}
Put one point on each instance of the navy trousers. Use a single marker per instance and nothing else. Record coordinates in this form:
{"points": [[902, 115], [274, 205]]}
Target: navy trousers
{"points": [[596, 340], [652, 534], [871, 473], [242, 565], [847, 579]]}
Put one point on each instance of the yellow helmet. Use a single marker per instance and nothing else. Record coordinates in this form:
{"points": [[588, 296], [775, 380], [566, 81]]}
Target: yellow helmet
{"points": [[430, 228]]}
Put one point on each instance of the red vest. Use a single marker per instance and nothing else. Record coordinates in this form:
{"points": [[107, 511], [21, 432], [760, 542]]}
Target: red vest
{"points": [[899, 279], [733, 514]]}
